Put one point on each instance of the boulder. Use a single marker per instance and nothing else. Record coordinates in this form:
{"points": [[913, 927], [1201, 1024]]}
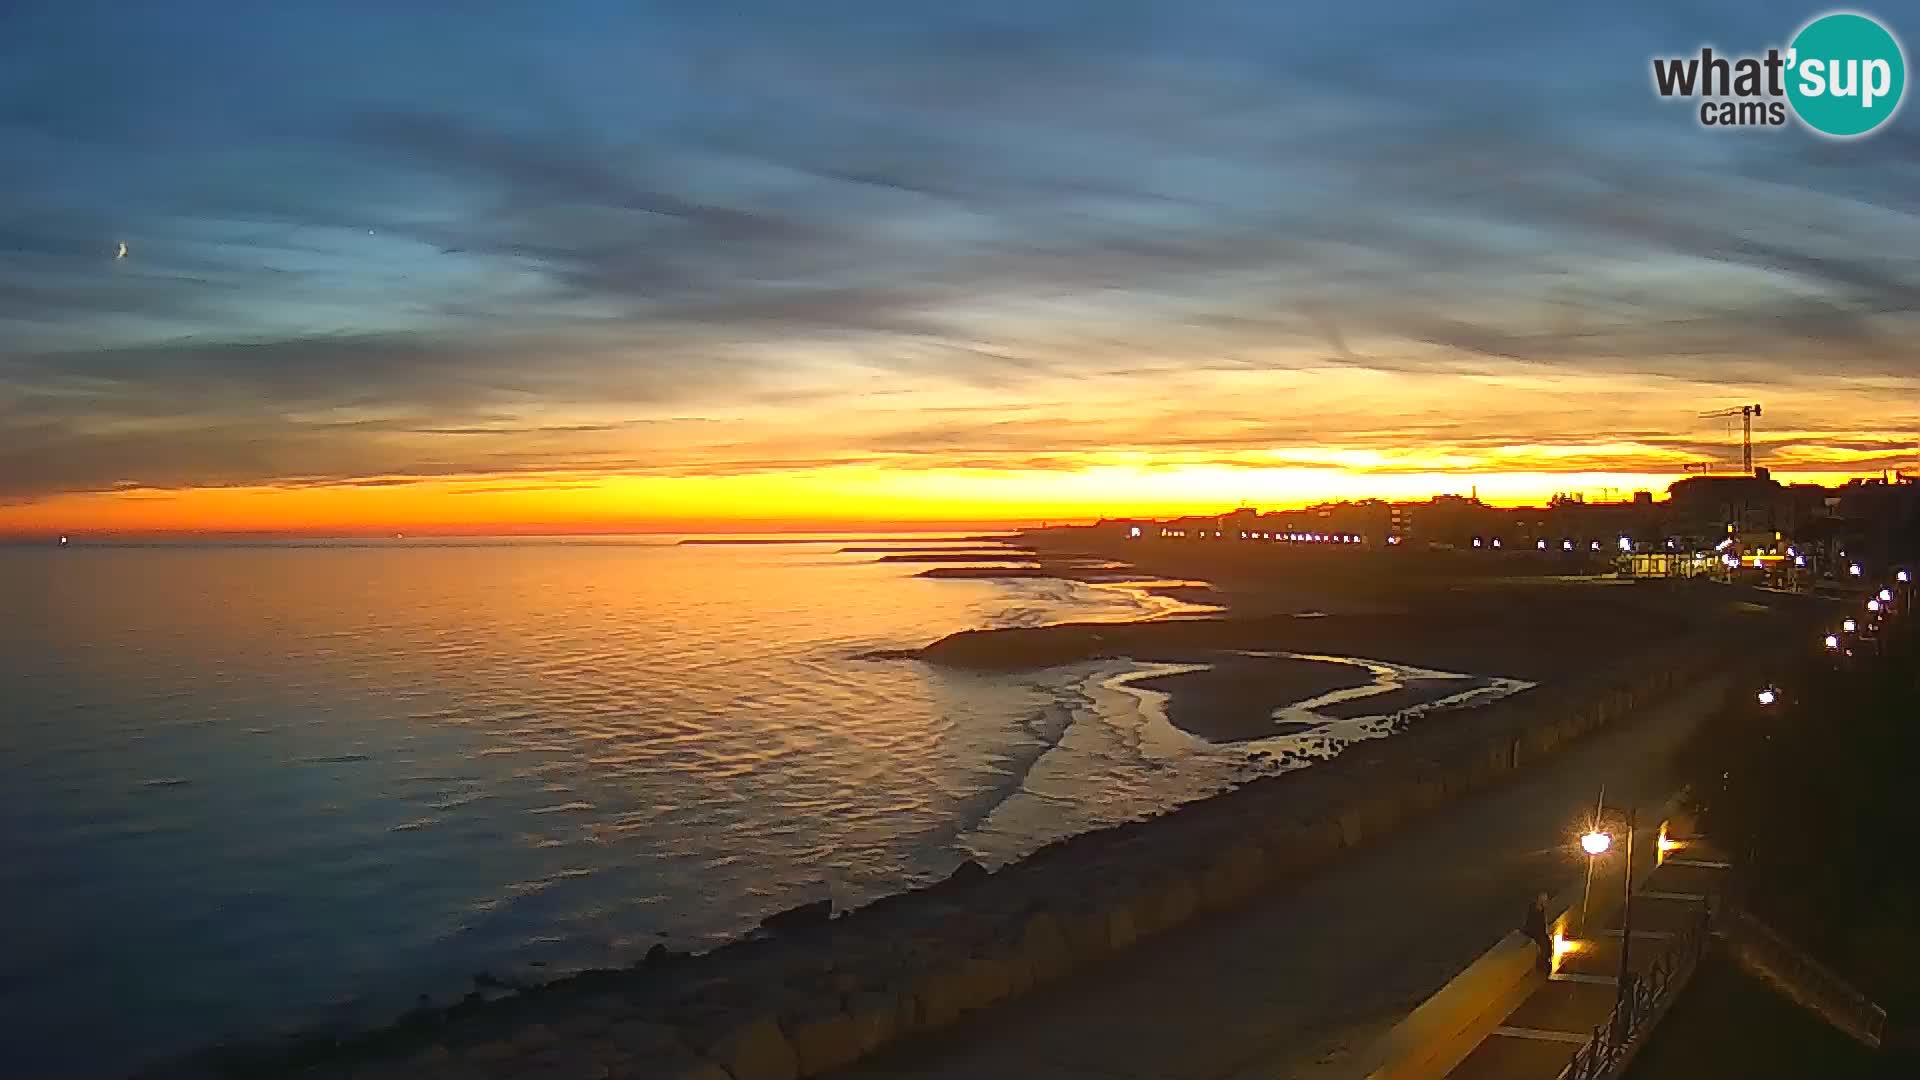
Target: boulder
{"points": [[824, 1041], [876, 1018], [816, 913], [756, 1049], [966, 874], [1045, 945], [1233, 876]]}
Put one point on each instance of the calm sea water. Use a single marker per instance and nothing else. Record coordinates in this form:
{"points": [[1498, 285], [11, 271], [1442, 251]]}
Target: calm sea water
{"points": [[252, 788]]}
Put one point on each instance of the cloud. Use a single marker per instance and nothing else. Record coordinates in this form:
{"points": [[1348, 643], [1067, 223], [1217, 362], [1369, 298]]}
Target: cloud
{"points": [[1383, 224]]}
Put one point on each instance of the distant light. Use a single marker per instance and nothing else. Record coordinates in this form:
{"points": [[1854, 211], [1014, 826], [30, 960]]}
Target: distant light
{"points": [[1626, 544], [1566, 545], [1849, 626], [1833, 641], [1768, 696], [1496, 542], [1886, 596], [1799, 560], [1792, 551], [1873, 605], [1542, 545], [63, 541], [1134, 532], [1596, 545], [1902, 577], [1596, 843], [121, 252], [1854, 569], [1476, 541]]}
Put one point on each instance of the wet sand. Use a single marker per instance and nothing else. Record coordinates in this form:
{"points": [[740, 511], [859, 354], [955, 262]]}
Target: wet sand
{"points": [[1451, 618]]}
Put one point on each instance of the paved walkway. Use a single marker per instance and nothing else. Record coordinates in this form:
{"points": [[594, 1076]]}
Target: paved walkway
{"points": [[1298, 981], [1540, 1036]]}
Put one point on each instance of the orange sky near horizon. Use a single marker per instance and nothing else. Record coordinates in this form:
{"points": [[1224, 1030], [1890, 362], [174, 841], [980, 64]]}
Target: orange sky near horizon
{"points": [[775, 501]]}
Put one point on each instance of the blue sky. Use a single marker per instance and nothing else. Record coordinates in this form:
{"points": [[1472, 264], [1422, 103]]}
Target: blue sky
{"points": [[377, 240]]}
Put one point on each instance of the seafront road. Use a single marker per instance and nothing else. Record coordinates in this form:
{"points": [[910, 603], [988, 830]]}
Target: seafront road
{"points": [[1291, 985]]}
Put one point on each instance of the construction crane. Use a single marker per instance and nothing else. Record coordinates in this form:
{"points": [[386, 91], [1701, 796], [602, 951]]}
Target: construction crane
{"points": [[1746, 413]]}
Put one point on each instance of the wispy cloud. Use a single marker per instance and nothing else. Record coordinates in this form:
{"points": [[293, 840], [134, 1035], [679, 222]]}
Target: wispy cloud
{"points": [[1385, 236]]}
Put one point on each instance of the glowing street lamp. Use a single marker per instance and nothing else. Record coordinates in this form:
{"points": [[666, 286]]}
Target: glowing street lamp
{"points": [[1903, 577], [1874, 606], [1849, 626], [1833, 641], [1854, 570], [1768, 696], [1596, 843], [1886, 596]]}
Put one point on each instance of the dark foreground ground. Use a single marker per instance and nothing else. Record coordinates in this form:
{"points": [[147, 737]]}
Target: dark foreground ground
{"points": [[1731, 1024]]}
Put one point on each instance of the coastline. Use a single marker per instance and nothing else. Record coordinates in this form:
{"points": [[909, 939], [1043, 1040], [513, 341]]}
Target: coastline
{"points": [[1222, 690]]}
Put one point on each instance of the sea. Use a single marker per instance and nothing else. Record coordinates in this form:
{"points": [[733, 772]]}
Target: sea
{"points": [[250, 789]]}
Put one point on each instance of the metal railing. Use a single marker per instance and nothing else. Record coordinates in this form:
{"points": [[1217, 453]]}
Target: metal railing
{"points": [[1640, 1005], [1819, 987]]}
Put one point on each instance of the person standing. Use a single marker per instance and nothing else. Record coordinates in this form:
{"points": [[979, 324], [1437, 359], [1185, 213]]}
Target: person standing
{"points": [[1535, 927]]}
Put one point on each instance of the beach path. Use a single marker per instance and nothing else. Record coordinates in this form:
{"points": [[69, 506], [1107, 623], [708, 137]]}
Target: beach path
{"points": [[1296, 982]]}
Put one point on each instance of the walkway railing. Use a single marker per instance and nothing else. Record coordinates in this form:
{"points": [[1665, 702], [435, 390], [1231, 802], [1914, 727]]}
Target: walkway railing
{"points": [[1640, 1006], [1818, 986]]}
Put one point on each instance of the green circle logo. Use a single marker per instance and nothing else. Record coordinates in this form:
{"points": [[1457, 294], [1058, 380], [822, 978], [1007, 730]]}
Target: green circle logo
{"points": [[1846, 74]]}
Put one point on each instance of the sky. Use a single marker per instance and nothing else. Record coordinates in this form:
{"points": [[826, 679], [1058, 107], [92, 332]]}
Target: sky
{"points": [[678, 264]]}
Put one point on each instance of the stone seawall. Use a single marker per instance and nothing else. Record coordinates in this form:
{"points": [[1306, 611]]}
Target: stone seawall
{"points": [[811, 1000]]}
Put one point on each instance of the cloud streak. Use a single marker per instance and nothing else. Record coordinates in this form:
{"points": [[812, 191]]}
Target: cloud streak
{"points": [[523, 248]]}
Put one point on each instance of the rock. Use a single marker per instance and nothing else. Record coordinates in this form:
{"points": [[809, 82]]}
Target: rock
{"points": [[533, 1037], [966, 874], [824, 1042], [756, 1050], [1233, 877], [876, 1019], [644, 1039], [567, 1063], [1046, 948], [816, 913]]}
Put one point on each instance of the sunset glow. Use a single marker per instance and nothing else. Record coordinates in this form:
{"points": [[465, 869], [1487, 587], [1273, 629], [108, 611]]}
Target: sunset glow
{"points": [[1154, 271]]}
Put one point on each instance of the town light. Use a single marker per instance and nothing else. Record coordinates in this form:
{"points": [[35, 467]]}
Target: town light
{"points": [[1902, 577], [1596, 843], [1768, 696], [1626, 543], [1799, 560], [1854, 570], [1849, 626], [1886, 596], [1873, 606], [1833, 641]]}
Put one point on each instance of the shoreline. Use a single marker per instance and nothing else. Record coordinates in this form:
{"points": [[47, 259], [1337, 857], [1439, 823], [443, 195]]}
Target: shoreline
{"points": [[656, 984]]}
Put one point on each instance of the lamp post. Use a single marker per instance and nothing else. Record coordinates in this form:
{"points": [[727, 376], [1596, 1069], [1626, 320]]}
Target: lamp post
{"points": [[1596, 842]]}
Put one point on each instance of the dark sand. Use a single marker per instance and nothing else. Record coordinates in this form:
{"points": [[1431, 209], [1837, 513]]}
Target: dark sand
{"points": [[1444, 613], [1236, 698]]}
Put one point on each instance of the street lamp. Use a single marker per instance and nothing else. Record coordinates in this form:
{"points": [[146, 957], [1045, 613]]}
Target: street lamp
{"points": [[1886, 596], [1596, 842], [1769, 696], [1873, 606], [1833, 641], [1903, 577], [1854, 570], [1850, 626]]}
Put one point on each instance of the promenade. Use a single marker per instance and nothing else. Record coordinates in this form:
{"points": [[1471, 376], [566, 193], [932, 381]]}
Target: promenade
{"points": [[1290, 986]]}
